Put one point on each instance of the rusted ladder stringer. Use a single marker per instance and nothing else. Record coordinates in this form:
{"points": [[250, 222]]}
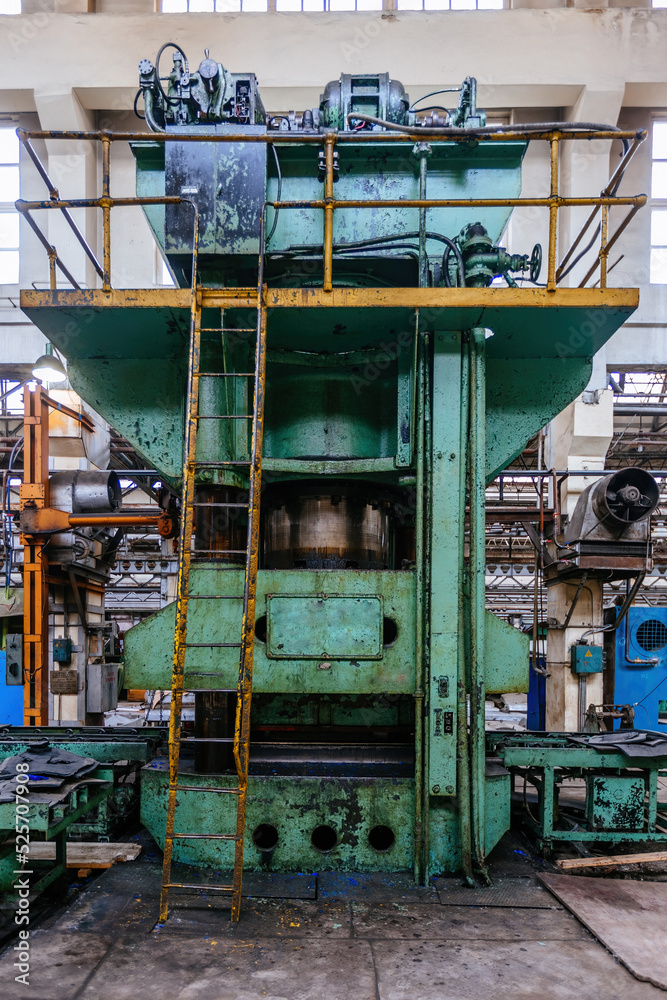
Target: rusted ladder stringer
{"points": [[241, 741]]}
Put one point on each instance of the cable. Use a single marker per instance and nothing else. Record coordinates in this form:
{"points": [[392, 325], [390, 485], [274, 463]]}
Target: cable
{"points": [[280, 188], [167, 45], [629, 598], [634, 705], [136, 99], [452, 247], [390, 242], [638, 704], [434, 93]]}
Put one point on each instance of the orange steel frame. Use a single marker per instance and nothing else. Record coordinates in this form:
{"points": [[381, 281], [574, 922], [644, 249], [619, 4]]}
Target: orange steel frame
{"points": [[34, 493], [37, 519]]}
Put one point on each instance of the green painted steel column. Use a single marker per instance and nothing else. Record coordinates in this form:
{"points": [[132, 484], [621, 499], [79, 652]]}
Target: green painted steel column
{"points": [[445, 525], [477, 568], [419, 860], [462, 734]]}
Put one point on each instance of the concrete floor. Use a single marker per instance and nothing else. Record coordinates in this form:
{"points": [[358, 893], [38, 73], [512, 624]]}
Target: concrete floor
{"points": [[367, 937]]}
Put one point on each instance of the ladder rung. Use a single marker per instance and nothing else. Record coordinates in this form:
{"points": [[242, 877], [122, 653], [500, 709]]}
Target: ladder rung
{"points": [[203, 836], [223, 374], [210, 645], [229, 329], [203, 503], [204, 788], [221, 552], [217, 465], [219, 690], [204, 566], [212, 597], [224, 416], [198, 885], [208, 739]]}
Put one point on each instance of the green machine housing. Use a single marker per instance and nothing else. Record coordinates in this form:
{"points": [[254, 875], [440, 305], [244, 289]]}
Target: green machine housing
{"points": [[382, 425]]}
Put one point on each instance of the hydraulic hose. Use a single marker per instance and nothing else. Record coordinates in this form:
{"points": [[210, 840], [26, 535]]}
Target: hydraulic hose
{"points": [[449, 131]]}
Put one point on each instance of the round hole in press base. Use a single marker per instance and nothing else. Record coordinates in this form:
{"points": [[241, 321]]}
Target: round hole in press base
{"points": [[260, 629], [389, 631], [381, 838], [324, 838], [265, 836]]}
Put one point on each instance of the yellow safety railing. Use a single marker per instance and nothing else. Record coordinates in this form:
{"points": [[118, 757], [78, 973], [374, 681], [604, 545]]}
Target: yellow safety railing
{"points": [[554, 202]]}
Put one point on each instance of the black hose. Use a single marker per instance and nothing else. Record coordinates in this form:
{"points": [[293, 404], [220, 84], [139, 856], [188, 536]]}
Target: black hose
{"points": [[136, 99], [434, 93], [280, 188], [452, 247], [387, 243], [448, 131], [167, 45]]}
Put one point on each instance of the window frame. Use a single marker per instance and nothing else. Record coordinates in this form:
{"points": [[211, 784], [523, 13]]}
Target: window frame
{"points": [[9, 208], [324, 6], [657, 205]]}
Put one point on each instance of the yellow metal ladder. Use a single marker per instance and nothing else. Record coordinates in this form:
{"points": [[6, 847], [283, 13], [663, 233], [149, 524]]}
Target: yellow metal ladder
{"points": [[241, 740]]}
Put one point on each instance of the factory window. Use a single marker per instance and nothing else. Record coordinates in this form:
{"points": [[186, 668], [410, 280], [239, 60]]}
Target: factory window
{"points": [[333, 5], [659, 204], [10, 6], [9, 218], [450, 4], [211, 6]]}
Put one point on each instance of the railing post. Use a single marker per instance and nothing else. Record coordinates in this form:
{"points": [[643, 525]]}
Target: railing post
{"points": [[329, 141], [603, 246], [106, 211], [553, 213], [53, 257]]}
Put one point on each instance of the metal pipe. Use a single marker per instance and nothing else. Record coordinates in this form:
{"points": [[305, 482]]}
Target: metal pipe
{"points": [[604, 249], [329, 141], [553, 214], [423, 151], [477, 569], [637, 201], [289, 138], [106, 210]]}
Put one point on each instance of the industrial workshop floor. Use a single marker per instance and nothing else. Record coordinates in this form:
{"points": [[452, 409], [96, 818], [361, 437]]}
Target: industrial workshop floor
{"points": [[373, 937]]}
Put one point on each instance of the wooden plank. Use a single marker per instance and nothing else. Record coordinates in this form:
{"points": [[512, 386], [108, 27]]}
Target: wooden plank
{"points": [[627, 916], [611, 860], [84, 854]]}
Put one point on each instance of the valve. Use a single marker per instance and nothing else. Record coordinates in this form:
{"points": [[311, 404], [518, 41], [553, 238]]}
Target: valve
{"points": [[483, 261]]}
